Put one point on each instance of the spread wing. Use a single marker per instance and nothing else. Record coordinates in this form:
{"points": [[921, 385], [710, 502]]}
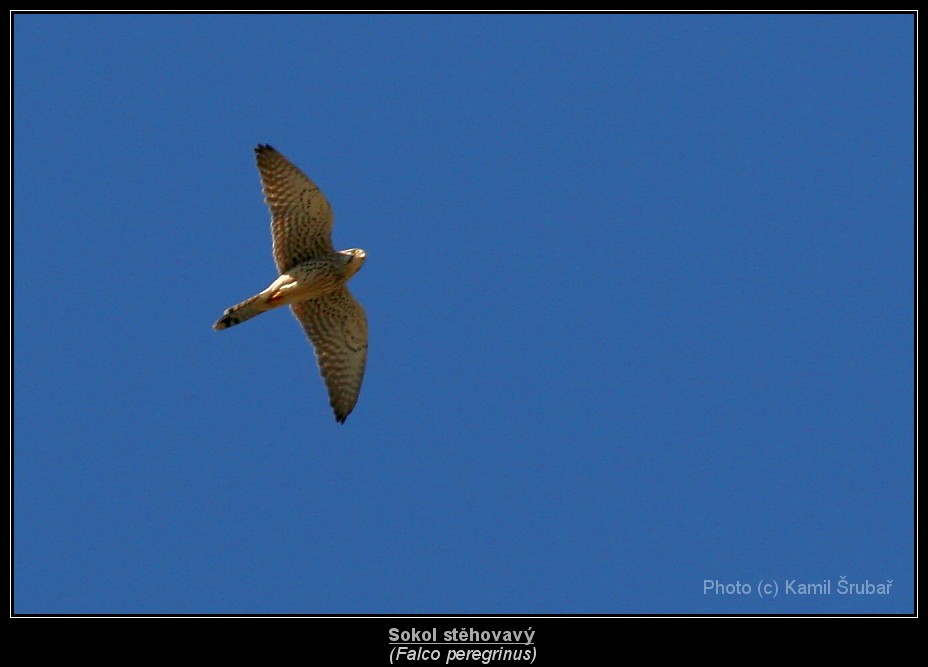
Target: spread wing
{"points": [[301, 217], [337, 327]]}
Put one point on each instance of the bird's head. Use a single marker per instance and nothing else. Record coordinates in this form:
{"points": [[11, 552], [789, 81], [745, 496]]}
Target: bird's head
{"points": [[354, 259]]}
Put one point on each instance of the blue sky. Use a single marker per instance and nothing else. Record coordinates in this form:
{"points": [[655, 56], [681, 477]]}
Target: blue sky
{"points": [[640, 293]]}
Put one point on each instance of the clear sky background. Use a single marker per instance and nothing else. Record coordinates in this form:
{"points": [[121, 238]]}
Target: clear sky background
{"points": [[640, 293]]}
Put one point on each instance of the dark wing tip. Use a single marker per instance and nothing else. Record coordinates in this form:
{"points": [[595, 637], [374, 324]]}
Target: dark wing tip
{"points": [[340, 416], [264, 148]]}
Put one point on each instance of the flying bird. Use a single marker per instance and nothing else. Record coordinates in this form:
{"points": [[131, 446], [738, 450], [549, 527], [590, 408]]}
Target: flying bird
{"points": [[313, 279]]}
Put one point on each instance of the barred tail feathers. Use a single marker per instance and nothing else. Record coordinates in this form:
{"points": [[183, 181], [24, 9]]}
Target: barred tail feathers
{"points": [[242, 311]]}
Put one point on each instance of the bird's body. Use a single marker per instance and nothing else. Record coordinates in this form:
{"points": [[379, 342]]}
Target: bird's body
{"points": [[312, 279]]}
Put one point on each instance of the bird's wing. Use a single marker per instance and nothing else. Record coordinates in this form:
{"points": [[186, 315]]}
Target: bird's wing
{"points": [[301, 217], [337, 327]]}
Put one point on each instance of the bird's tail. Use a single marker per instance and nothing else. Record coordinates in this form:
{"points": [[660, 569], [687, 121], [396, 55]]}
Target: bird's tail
{"points": [[243, 311]]}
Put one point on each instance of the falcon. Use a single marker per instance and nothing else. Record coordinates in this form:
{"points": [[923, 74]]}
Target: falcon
{"points": [[313, 279]]}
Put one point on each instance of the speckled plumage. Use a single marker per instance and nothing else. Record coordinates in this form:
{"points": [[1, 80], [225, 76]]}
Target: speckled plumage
{"points": [[312, 279]]}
